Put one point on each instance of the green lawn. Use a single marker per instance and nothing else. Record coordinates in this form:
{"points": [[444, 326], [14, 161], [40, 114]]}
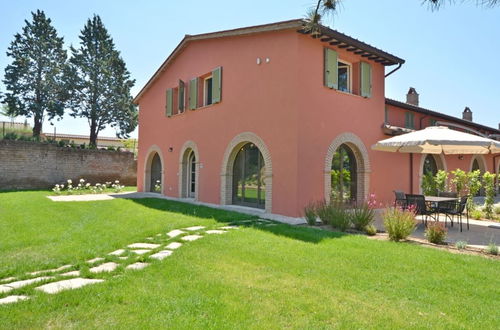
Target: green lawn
{"points": [[256, 277]]}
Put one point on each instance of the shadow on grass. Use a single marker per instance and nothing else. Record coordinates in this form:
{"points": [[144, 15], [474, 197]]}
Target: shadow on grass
{"points": [[198, 211], [306, 234]]}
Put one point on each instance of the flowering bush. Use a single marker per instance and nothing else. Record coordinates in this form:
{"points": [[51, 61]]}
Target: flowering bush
{"points": [[399, 223], [117, 187], [436, 233], [86, 187]]}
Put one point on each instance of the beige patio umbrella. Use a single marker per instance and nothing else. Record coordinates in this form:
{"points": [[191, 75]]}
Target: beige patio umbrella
{"points": [[437, 140]]}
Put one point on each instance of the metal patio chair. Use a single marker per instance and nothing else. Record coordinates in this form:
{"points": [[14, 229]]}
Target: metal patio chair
{"points": [[421, 206]]}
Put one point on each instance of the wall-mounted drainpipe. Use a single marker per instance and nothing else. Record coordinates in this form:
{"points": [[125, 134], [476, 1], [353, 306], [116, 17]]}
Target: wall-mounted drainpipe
{"points": [[396, 69]]}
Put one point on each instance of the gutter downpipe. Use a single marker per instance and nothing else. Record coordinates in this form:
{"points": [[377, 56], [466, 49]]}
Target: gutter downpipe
{"points": [[396, 69]]}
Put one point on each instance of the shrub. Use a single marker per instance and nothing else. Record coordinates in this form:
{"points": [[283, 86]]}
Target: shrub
{"points": [[371, 230], [362, 216], [436, 233], [492, 249], [489, 188], [335, 214], [11, 136], [476, 214], [461, 245], [399, 223], [310, 213], [497, 210]]}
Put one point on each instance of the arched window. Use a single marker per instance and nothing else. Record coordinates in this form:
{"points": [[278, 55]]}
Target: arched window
{"points": [[249, 187], [344, 179]]}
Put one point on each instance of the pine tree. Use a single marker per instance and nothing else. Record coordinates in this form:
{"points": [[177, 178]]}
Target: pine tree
{"points": [[101, 83], [35, 79]]}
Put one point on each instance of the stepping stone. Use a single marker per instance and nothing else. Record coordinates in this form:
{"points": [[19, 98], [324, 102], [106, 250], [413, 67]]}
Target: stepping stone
{"points": [[19, 284], [215, 231], [161, 255], [173, 245], [73, 283], [73, 273], [7, 279], [117, 252], [175, 233], [150, 238], [137, 266], [123, 258], [50, 270], [194, 228], [230, 227], [143, 246], [158, 234], [140, 252], [12, 299], [106, 267], [190, 238], [93, 261]]}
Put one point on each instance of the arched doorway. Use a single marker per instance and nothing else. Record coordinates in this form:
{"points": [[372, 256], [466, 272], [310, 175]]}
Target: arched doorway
{"points": [[264, 180], [347, 169], [189, 171], [479, 163], [249, 188], [191, 175], [344, 179], [430, 165], [155, 177]]}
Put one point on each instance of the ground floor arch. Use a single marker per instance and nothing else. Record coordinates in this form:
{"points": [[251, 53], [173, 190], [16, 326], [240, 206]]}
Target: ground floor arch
{"points": [[246, 175], [189, 171], [347, 168], [154, 174]]}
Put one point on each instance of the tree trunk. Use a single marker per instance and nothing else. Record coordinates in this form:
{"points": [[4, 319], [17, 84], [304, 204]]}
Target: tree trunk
{"points": [[37, 126], [93, 134]]}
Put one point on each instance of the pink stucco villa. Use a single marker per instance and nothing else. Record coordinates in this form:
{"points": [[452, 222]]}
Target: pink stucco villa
{"points": [[262, 116]]}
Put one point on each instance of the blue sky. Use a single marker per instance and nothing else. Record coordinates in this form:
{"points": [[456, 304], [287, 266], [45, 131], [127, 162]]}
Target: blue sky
{"points": [[451, 54]]}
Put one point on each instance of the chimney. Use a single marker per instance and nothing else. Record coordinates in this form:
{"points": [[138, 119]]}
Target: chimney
{"points": [[412, 97], [467, 114]]}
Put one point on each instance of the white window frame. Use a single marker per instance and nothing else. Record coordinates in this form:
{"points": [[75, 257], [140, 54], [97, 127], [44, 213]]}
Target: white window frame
{"points": [[205, 91], [349, 75]]}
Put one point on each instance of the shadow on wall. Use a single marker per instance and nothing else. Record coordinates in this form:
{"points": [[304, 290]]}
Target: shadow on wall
{"points": [[305, 234]]}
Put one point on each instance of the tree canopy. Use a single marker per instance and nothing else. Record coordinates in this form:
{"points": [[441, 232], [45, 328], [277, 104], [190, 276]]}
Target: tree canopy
{"points": [[35, 79], [100, 83]]}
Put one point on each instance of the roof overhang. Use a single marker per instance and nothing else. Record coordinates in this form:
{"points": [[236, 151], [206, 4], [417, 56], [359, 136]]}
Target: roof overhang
{"points": [[325, 34], [452, 119]]}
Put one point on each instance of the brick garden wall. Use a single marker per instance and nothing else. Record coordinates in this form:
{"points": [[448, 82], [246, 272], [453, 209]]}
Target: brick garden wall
{"points": [[26, 165]]}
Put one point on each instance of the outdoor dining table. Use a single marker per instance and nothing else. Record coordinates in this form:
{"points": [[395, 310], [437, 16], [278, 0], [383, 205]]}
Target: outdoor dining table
{"points": [[437, 199]]}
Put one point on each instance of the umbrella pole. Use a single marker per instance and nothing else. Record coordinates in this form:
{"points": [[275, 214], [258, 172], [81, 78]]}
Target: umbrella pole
{"points": [[411, 173]]}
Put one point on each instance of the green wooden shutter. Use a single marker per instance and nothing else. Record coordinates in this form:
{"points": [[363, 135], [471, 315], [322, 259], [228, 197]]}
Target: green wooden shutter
{"points": [[193, 93], [216, 85], [409, 120], [366, 79], [170, 102], [331, 69], [181, 96]]}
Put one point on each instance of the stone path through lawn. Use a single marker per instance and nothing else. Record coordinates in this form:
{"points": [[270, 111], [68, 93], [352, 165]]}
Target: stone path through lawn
{"points": [[133, 257]]}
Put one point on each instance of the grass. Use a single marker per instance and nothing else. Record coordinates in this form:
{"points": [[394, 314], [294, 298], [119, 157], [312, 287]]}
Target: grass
{"points": [[255, 277]]}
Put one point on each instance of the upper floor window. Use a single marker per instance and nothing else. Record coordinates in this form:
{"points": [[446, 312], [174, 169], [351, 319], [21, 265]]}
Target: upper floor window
{"points": [[409, 120], [207, 90], [338, 74], [344, 76]]}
